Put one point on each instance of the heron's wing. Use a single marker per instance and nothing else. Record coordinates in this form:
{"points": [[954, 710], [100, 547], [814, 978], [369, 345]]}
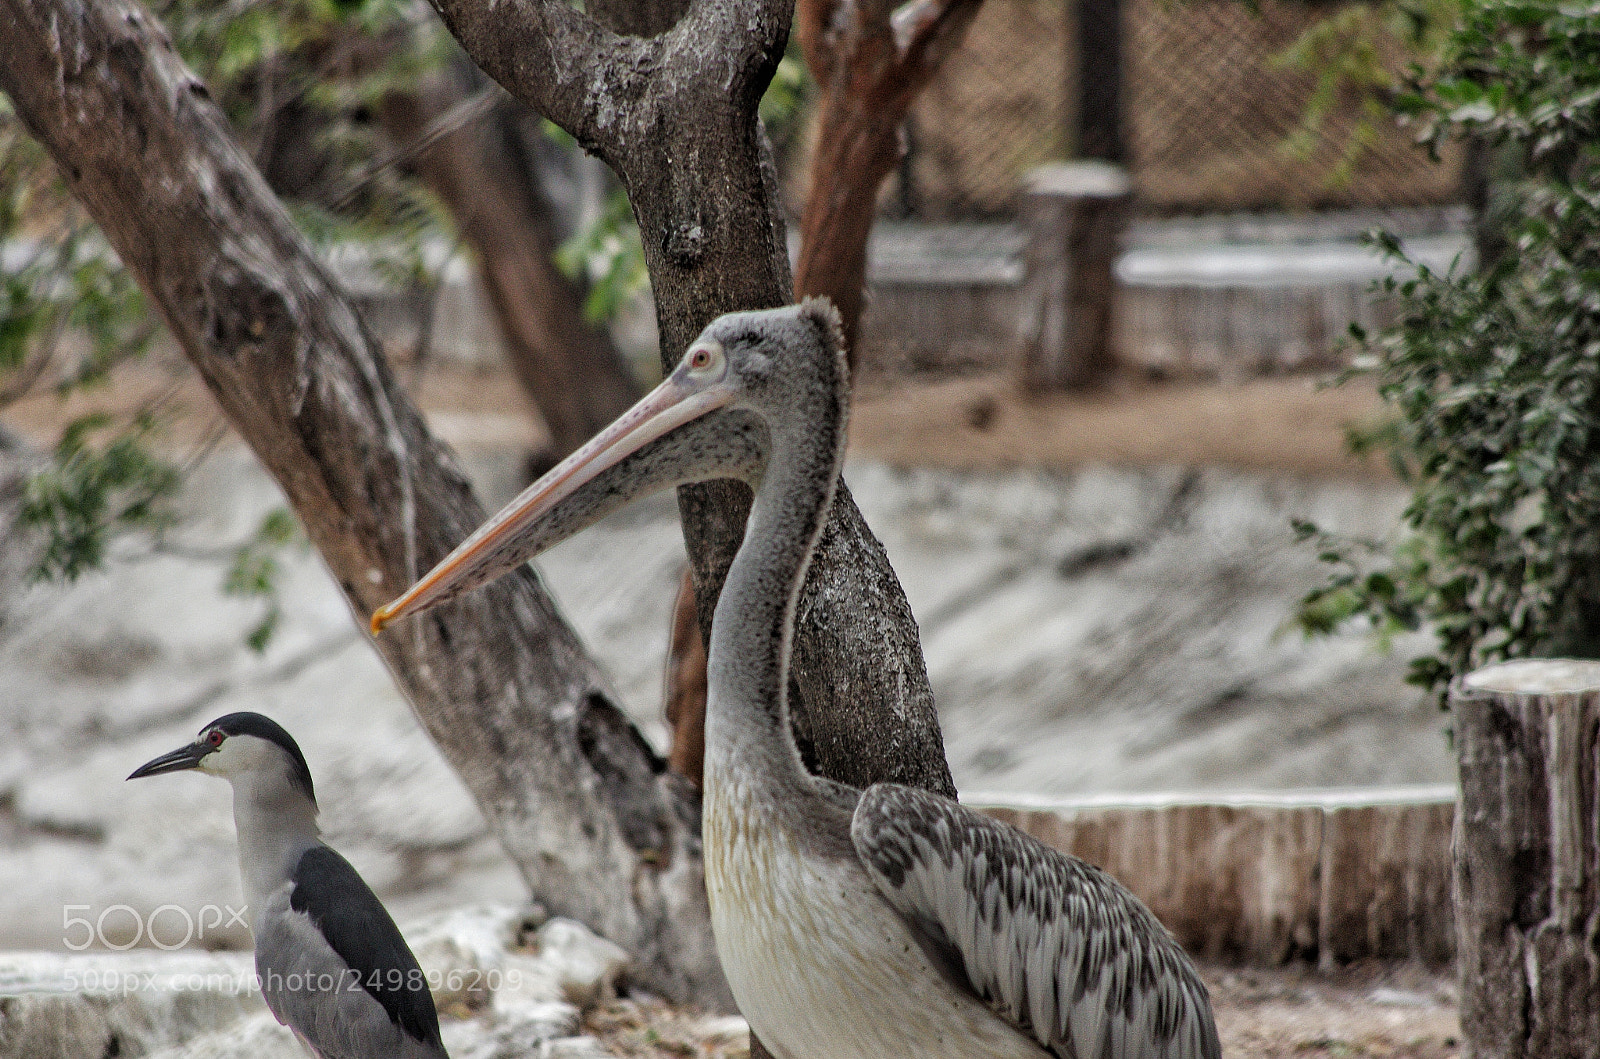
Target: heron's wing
{"points": [[1056, 946], [359, 930]]}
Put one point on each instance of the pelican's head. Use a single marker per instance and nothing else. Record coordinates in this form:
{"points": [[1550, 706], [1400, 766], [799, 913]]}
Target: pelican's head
{"points": [[706, 420]]}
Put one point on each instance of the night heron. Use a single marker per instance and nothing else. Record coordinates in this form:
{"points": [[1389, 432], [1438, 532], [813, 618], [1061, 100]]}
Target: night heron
{"points": [[884, 922], [331, 963]]}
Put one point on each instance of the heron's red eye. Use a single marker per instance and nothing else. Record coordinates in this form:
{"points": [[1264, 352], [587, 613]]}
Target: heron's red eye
{"points": [[215, 737]]}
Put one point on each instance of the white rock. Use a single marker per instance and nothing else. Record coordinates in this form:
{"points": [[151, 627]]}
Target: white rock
{"points": [[91, 1005], [190, 1005], [527, 982], [723, 1030], [258, 1037], [514, 1035], [585, 965], [462, 951], [573, 1048]]}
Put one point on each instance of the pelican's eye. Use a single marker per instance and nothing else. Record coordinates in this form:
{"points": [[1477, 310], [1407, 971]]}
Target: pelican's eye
{"points": [[704, 358]]}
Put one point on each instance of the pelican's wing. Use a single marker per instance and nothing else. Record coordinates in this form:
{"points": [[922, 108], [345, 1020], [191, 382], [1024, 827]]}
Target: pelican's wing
{"points": [[1056, 946]]}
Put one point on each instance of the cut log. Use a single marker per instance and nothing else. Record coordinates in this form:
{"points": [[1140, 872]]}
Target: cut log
{"points": [[1527, 860], [1267, 877]]}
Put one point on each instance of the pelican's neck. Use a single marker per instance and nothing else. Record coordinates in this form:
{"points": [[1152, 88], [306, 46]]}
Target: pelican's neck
{"points": [[747, 723]]}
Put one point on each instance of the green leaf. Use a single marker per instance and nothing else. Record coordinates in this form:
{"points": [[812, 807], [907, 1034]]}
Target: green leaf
{"points": [[1492, 377]]}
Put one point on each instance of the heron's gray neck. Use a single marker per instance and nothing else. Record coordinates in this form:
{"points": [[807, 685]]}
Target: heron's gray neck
{"points": [[747, 724], [276, 823]]}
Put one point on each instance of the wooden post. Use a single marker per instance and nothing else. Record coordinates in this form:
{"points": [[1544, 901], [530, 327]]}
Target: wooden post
{"points": [[1098, 25], [1074, 213], [1527, 860]]}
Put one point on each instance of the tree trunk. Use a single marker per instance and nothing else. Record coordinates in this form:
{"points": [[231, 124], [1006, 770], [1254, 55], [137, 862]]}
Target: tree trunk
{"points": [[692, 155], [569, 369], [1098, 26], [498, 680], [869, 79], [690, 150], [1527, 860], [870, 65]]}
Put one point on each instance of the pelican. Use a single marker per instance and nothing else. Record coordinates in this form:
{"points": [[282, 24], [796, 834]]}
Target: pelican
{"points": [[851, 924]]}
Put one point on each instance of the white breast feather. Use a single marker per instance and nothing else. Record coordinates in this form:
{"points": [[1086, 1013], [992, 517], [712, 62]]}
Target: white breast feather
{"points": [[820, 965]]}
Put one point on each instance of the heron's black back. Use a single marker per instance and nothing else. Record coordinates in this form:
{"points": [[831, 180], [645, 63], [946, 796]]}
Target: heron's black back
{"points": [[357, 927]]}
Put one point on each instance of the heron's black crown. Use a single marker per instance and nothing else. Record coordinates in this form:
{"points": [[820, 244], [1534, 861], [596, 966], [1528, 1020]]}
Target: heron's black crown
{"points": [[262, 727]]}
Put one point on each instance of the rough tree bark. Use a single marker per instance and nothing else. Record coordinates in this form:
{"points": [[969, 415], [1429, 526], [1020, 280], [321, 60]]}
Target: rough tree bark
{"points": [[1527, 859], [568, 368], [497, 679], [675, 116], [870, 62]]}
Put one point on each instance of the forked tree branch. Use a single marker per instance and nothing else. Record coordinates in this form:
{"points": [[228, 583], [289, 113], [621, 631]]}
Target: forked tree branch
{"points": [[818, 25], [927, 32], [605, 88]]}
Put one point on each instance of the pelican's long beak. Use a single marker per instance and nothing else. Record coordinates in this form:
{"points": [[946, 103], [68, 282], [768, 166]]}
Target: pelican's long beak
{"points": [[185, 757], [678, 400]]}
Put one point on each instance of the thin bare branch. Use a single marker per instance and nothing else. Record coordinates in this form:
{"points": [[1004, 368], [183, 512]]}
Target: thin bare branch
{"points": [[817, 24], [927, 31], [459, 116], [871, 62]]}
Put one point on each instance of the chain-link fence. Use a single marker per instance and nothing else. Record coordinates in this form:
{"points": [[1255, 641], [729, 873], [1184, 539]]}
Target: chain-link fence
{"points": [[1208, 115]]}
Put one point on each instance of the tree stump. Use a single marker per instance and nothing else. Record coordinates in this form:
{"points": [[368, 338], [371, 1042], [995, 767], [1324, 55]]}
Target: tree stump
{"points": [[1074, 213], [1527, 860]]}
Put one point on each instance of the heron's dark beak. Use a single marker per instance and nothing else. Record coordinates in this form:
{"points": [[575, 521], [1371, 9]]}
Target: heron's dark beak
{"points": [[179, 760], [501, 544]]}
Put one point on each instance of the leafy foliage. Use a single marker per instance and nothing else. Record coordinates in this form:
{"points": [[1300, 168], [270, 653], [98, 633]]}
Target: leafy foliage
{"points": [[89, 488], [68, 315], [609, 254], [1494, 376], [299, 79], [255, 571], [1357, 53]]}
